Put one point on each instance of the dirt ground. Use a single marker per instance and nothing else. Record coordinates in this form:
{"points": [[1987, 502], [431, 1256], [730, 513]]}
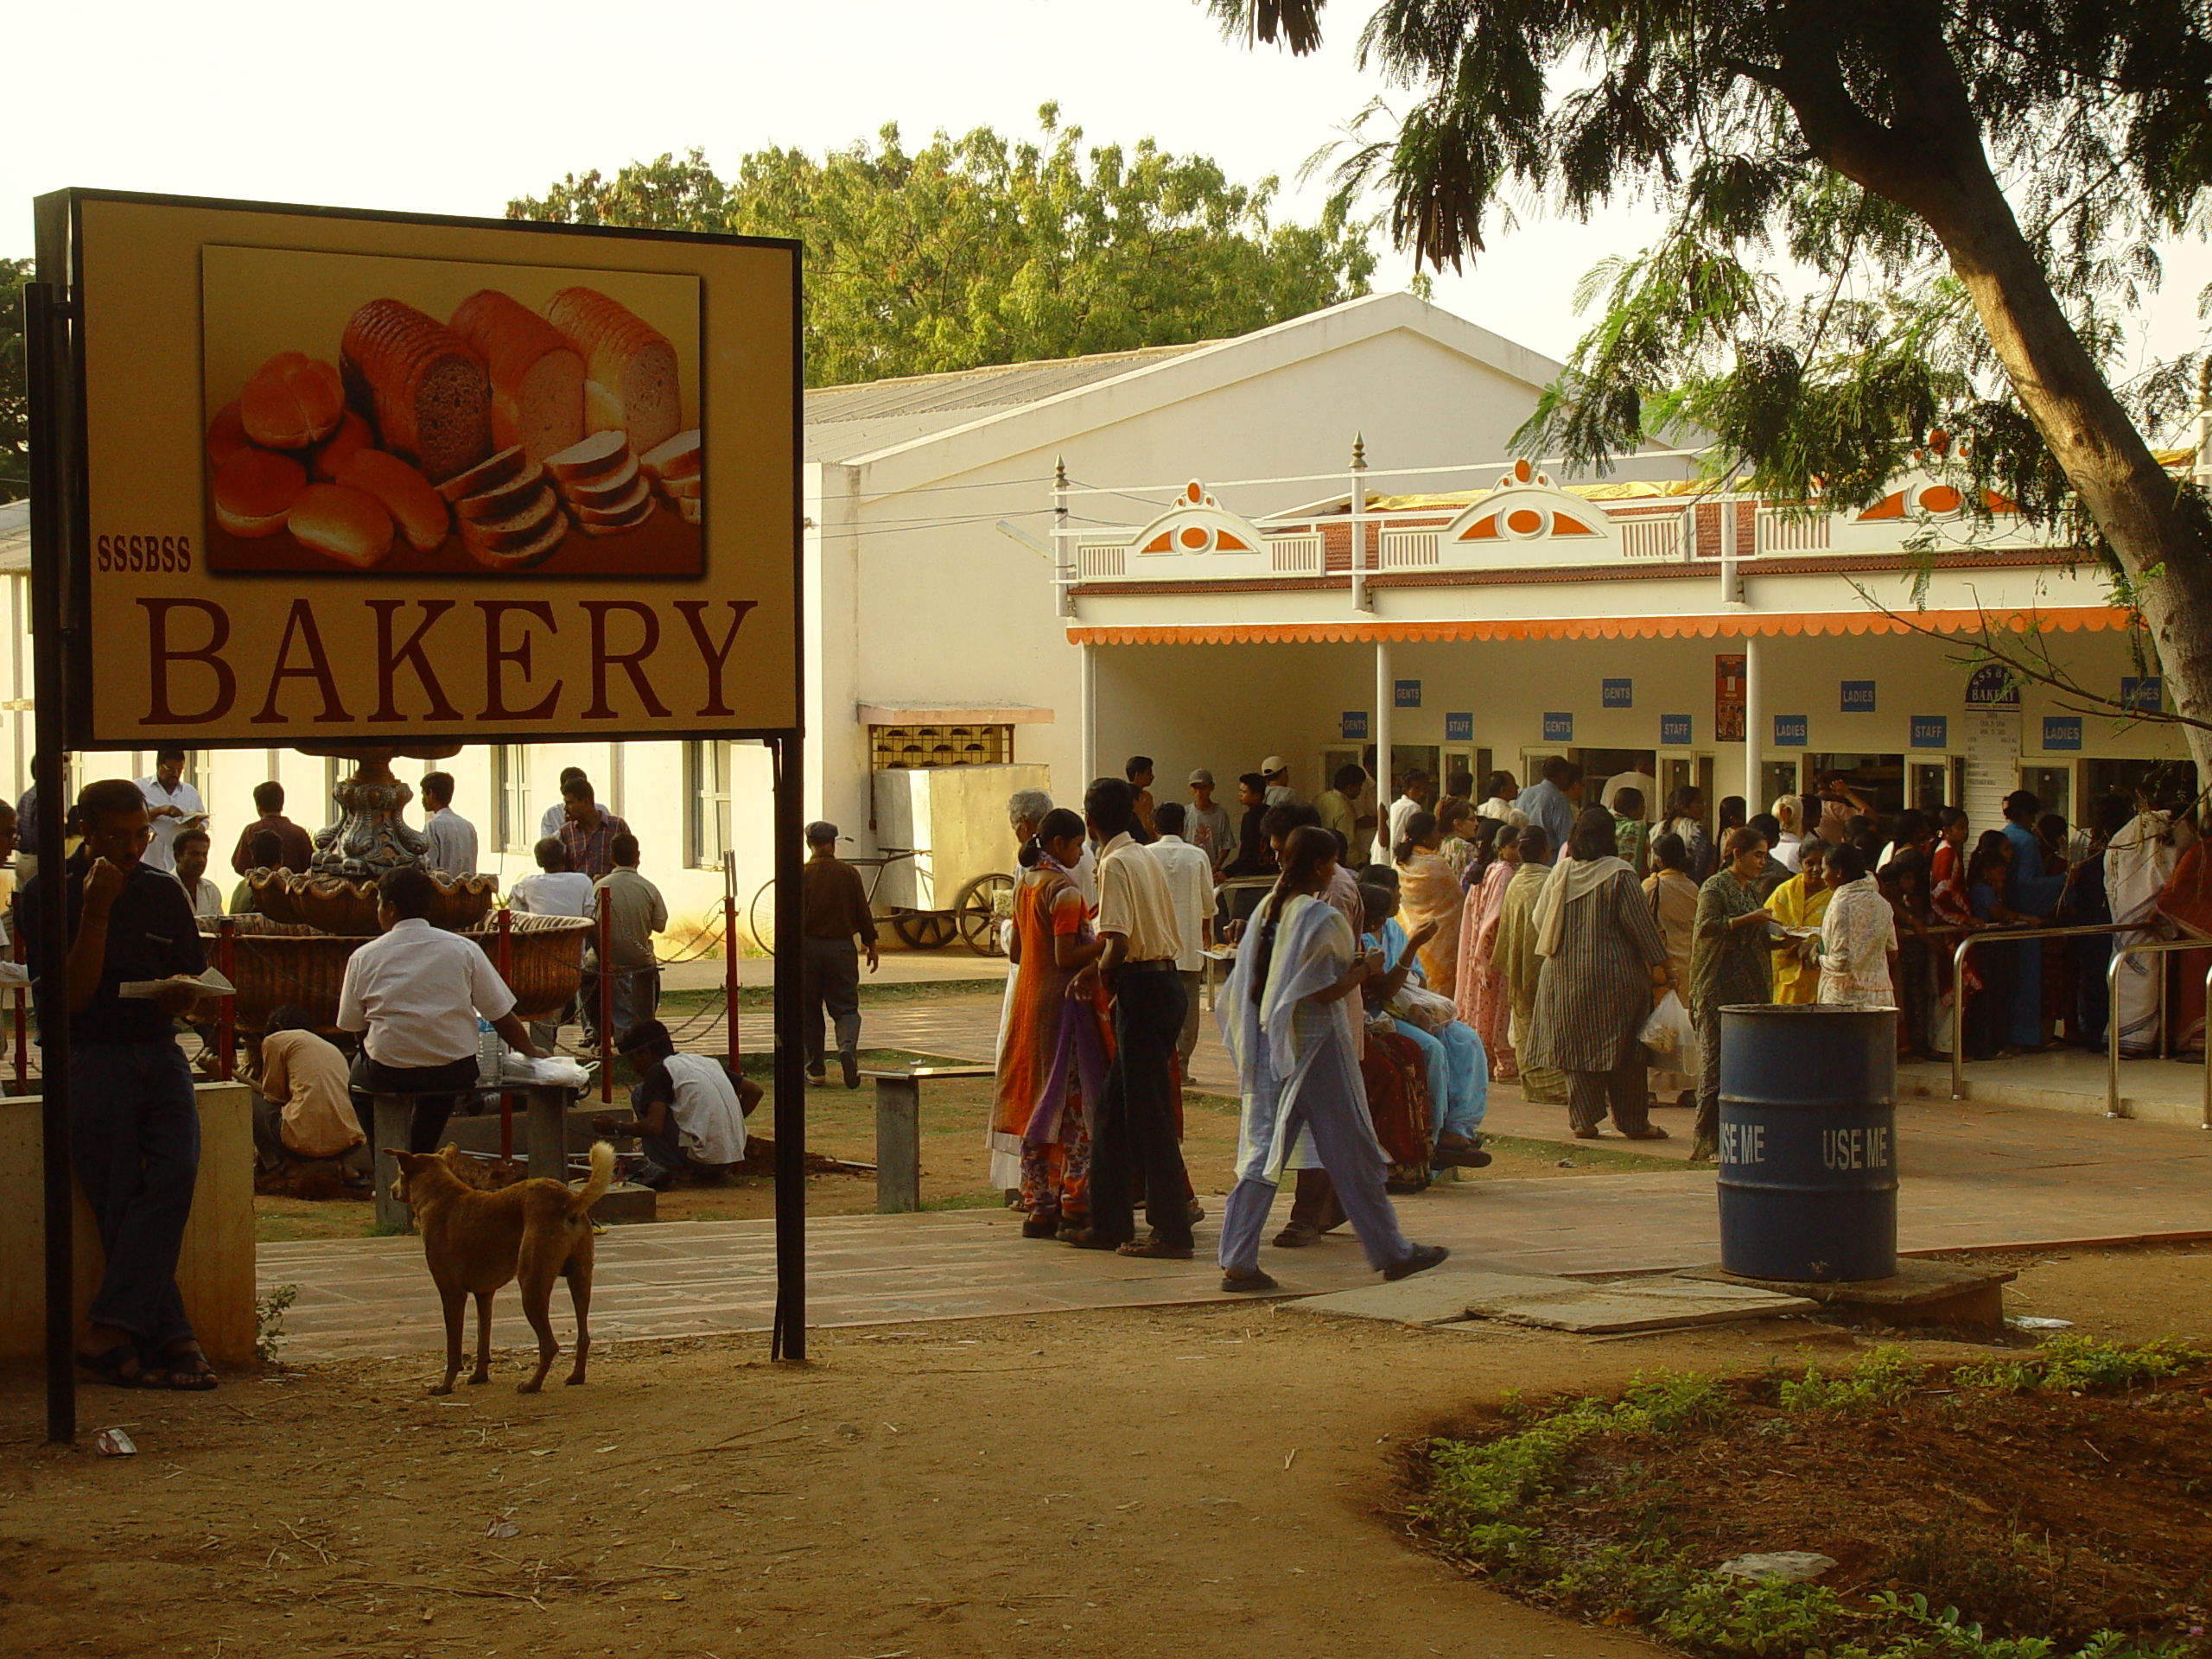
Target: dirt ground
{"points": [[1208, 1482], [956, 1169]]}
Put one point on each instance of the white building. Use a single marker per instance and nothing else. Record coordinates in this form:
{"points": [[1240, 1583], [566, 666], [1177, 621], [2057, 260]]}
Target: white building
{"points": [[963, 609]]}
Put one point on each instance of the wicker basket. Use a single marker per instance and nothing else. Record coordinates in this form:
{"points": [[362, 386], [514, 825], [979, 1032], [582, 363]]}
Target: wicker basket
{"points": [[274, 964]]}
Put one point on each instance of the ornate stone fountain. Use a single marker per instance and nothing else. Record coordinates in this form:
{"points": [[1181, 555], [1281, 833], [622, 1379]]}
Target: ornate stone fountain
{"points": [[309, 923]]}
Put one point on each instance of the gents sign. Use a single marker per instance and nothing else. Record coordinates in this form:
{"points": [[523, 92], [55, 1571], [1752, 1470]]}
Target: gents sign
{"points": [[375, 478]]}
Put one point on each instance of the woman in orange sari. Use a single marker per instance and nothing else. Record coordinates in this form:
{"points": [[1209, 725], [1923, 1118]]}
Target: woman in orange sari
{"points": [[1052, 1057], [1428, 890], [1481, 994]]}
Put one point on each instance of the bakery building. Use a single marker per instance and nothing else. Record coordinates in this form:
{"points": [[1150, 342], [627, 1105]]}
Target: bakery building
{"points": [[1306, 541]]}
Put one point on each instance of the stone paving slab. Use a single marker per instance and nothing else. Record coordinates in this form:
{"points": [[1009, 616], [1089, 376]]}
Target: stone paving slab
{"points": [[1443, 1299]]}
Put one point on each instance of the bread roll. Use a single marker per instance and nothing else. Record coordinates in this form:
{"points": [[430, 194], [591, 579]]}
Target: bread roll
{"points": [[498, 469], [417, 509], [632, 360], [352, 437], [416, 381], [598, 456], [291, 401], [255, 489], [225, 435], [502, 500], [677, 458], [346, 523], [537, 382]]}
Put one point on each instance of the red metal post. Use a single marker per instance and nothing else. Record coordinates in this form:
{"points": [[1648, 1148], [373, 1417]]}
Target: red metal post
{"points": [[729, 977], [22, 1024], [605, 997], [506, 977], [226, 1034]]}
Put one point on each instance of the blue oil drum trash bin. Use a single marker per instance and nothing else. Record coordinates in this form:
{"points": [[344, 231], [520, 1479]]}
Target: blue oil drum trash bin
{"points": [[1808, 1159]]}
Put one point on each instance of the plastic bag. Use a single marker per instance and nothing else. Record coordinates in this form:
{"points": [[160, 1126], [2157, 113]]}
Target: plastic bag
{"points": [[557, 1071], [1669, 1034], [1417, 1005]]}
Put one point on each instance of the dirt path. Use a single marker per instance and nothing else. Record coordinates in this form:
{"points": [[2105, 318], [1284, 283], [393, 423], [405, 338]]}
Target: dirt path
{"points": [[1215, 1482]]}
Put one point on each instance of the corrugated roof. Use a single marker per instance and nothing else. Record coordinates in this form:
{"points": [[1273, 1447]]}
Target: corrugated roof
{"points": [[842, 421], [15, 536]]}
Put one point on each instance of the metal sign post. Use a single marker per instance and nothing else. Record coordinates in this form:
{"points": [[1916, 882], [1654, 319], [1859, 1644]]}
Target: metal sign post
{"points": [[789, 1340]]}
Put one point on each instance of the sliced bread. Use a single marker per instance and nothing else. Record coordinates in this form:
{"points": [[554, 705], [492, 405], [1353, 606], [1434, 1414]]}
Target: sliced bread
{"points": [[677, 458], [495, 469], [598, 456], [522, 555], [630, 359], [505, 499], [537, 382]]}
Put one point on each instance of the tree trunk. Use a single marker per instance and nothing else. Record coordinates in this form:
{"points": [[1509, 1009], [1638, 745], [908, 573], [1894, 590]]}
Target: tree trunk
{"points": [[1931, 161]]}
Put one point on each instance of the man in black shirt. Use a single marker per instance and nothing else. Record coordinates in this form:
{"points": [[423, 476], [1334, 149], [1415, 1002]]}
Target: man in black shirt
{"points": [[133, 1124]]}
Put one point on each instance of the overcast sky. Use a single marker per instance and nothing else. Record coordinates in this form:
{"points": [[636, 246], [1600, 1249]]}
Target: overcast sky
{"points": [[456, 106]]}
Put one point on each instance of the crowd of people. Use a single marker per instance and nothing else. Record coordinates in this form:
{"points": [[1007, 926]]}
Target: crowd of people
{"points": [[1536, 934]]}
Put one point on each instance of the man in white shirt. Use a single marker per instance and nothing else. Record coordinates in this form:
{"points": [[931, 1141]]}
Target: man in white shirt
{"points": [[556, 890], [550, 821], [687, 1116], [452, 838], [171, 805], [191, 848], [416, 994], [1134, 1127], [1190, 886], [1413, 797]]}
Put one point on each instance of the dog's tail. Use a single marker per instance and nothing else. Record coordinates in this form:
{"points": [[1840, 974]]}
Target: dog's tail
{"points": [[602, 1176]]}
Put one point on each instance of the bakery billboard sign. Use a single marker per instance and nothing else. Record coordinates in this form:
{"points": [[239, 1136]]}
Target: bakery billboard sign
{"points": [[343, 476]]}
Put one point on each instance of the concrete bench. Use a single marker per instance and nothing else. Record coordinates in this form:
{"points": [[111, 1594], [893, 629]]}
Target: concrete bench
{"points": [[544, 1140], [899, 1132]]}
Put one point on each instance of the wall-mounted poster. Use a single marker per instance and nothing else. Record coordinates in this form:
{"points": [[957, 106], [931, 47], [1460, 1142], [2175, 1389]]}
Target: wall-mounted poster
{"points": [[371, 478], [1728, 692]]}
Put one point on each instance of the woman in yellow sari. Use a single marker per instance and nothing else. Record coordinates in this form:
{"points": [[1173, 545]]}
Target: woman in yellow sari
{"points": [[1802, 901], [1428, 890]]}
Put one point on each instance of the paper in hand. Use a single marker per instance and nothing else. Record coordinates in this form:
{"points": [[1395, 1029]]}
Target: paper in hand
{"points": [[211, 980]]}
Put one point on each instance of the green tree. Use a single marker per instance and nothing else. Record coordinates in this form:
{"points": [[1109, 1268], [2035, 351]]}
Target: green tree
{"points": [[15, 388], [1977, 188], [980, 250]]}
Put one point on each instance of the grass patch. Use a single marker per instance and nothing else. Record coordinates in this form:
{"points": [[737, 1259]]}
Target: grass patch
{"points": [[1959, 1533], [965, 1201]]}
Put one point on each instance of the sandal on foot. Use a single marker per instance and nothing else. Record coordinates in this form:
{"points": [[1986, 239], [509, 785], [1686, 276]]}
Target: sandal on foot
{"points": [[1043, 1225], [1235, 1282], [1156, 1249], [1649, 1132], [1296, 1236], [1424, 1257], [1585, 1134], [1086, 1238], [185, 1373], [119, 1366]]}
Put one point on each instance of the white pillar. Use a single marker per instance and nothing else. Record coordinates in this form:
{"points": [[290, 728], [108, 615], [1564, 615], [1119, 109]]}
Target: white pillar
{"points": [[1385, 696], [1754, 712], [1087, 738]]}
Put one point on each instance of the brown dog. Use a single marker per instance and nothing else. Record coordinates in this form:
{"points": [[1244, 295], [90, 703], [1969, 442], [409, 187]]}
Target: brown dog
{"points": [[475, 1241]]}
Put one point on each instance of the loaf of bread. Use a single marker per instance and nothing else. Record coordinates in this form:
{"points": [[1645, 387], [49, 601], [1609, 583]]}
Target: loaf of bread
{"points": [[291, 401], [417, 509], [537, 381], [346, 523], [602, 409], [419, 385], [255, 489], [632, 360]]}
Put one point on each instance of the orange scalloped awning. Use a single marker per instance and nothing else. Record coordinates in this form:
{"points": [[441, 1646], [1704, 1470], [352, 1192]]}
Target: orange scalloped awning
{"points": [[1731, 626]]}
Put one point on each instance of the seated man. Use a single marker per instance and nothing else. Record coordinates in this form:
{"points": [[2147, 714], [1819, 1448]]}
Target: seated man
{"points": [[689, 1118], [416, 994], [556, 890], [301, 1108]]}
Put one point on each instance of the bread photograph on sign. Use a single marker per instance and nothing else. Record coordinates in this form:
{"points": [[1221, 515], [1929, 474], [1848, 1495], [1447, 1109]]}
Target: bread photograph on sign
{"points": [[368, 413]]}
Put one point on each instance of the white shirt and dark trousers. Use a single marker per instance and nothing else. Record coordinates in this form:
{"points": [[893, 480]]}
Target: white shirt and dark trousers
{"points": [[703, 1121], [416, 994], [1190, 886], [552, 893], [1134, 1126]]}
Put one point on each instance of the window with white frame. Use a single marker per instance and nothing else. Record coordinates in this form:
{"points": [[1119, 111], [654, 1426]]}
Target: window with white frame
{"points": [[706, 774], [514, 825]]}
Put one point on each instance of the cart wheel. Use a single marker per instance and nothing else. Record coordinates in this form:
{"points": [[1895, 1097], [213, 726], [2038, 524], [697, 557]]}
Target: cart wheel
{"points": [[923, 929], [983, 904], [760, 917]]}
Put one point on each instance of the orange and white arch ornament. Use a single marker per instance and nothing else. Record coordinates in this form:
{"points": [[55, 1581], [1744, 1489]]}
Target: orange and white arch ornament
{"points": [[1196, 525], [1527, 507]]}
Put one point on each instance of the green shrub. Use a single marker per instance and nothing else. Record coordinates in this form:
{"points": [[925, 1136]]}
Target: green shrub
{"points": [[1887, 1376], [2075, 1363]]}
